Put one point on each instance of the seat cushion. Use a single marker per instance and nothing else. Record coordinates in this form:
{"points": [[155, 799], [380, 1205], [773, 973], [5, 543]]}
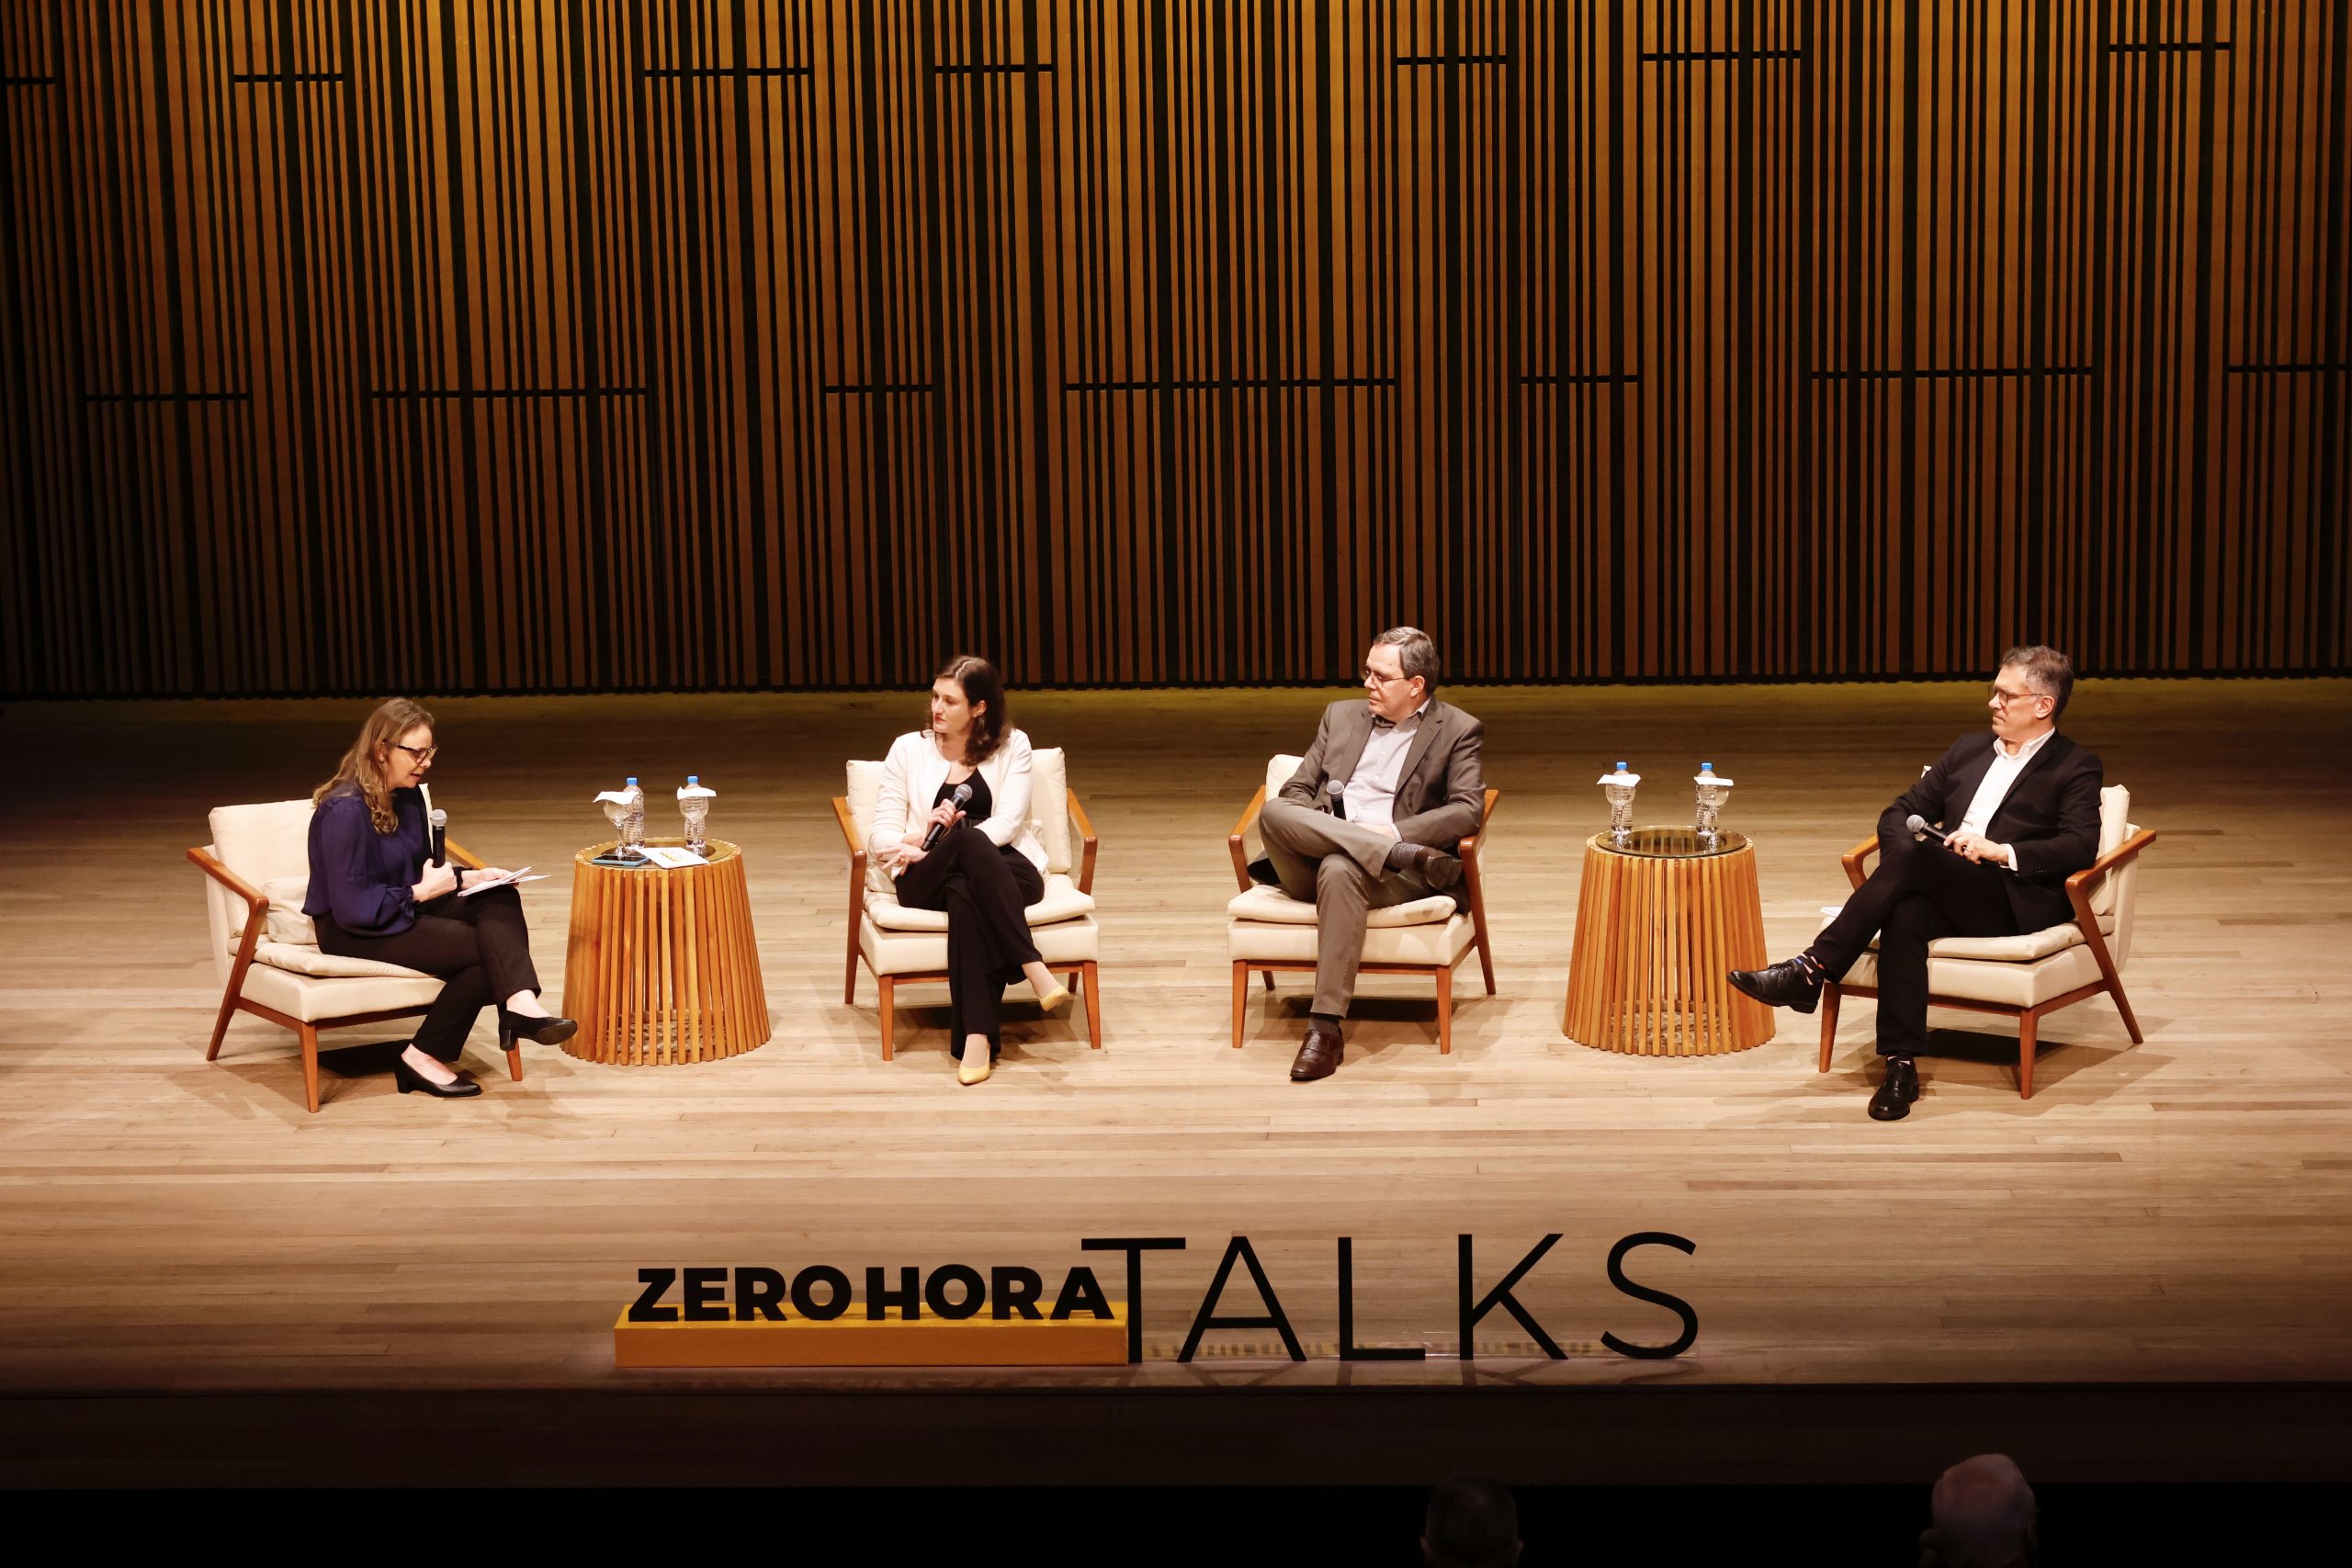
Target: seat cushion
{"points": [[1061, 901], [912, 952], [312, 999], [1431, 944], [1276, 908], [2023, 948], [299, 959], [2005, 984]]}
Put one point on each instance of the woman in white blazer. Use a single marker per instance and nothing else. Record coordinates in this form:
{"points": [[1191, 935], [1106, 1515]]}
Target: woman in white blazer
{"points": [[967, 780]]}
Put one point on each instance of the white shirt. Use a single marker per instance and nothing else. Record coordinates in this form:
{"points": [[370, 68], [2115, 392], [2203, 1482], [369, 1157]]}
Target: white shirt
{"points": [[913, 771], [1998, 778], [1371, 795]]}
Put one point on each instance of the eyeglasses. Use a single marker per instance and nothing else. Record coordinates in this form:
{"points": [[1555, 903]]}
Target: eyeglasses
{"points": [[422, 754], [2002, 699], [1376, 677]]}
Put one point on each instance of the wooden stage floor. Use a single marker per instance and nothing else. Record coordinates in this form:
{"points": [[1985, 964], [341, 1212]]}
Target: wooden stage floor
{"points": [[2177, 1213]]}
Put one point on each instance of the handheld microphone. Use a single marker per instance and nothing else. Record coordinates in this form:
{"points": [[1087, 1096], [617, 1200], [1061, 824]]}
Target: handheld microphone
{"points": [[963, 793], [440, 820], [1918, 824], [1339, 793]]}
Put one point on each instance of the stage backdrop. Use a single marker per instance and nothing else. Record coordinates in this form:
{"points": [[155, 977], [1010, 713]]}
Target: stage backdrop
{"points": [[541, 344]]}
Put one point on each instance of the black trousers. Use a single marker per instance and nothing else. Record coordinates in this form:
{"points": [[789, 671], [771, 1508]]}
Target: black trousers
{"points": [[1918, 892], [984, 889], [479, 944]]}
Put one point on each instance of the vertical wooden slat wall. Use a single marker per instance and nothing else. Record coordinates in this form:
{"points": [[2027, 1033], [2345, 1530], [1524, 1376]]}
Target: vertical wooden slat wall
{"points": [[557, 344]]}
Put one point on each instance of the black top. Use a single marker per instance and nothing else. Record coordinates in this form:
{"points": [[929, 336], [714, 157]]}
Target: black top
{"points": [[360, 876], [979, 808]]}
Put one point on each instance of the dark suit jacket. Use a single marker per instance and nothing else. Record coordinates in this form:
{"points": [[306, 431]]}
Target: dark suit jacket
{"points": [[1441, 797], [2049, 816]]}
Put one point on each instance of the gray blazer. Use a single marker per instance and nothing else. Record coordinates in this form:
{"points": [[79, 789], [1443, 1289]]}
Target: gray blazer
{"points": [[1441, 795]]}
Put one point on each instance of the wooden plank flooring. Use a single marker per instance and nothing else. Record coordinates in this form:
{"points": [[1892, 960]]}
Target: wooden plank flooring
{"points": [[2177, 1211]]}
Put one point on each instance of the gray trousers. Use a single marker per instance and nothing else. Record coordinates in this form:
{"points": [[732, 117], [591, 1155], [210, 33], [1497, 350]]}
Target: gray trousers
{"points": [[1341, 869]]}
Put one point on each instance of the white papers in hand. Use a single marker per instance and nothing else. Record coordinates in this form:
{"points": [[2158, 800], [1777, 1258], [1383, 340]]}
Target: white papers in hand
{"points": [[509, 880]]}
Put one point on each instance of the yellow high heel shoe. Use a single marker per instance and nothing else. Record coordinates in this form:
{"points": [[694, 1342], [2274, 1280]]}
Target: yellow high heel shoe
{"points": [[1053, 1001], [968, 1074]]}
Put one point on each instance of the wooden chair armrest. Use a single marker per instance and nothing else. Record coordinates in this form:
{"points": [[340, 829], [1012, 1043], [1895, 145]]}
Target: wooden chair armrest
{"points": [[462, 856], [2079, 885], [1232, 840], [856, 858], [1854, 859], [1086, 841], [849, 825], [255, 899]]}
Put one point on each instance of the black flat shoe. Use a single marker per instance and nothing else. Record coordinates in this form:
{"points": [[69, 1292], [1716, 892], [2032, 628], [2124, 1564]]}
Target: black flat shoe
{"points": [[409, 1078], [538, 1030], [1791, 983], [1895, 1093]]}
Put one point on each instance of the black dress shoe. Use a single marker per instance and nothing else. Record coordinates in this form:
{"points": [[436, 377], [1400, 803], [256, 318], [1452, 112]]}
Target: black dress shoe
{"points": [[1435, 867], [1896, 1091], [409, 1078], [538, 1030], [1791, 983], [1318, 1056]]}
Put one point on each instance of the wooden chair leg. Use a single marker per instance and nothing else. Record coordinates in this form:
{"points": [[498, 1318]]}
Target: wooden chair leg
{"points": [[229, 1011], [1445, 1010], [310, 1066], [1270, 979], [849, 986], [2131, 1024], [1241, 997], [1091, 971], [1486, 959], [514, 1061], [889, 989], [1830, 997], [2026, 1024]]}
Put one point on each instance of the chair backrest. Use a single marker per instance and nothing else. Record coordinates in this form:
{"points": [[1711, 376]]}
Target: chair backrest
{"points": [[2114, 826], [1048, 803], [269, 846]]}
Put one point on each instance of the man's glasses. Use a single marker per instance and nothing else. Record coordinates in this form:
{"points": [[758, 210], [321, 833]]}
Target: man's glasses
{"points": [[2002, 699], [422, 753], [1376, 677]]}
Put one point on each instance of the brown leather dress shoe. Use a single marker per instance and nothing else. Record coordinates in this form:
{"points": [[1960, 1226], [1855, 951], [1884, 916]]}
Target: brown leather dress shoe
{"points": [[1439, 870], [1318, 1055]]}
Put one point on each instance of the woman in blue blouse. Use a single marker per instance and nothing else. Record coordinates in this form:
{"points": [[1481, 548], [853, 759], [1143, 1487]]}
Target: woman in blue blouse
{"points": [[373, 897]]}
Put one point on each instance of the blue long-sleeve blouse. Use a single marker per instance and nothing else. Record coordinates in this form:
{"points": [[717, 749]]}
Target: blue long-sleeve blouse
{"points": [[360, 876]]}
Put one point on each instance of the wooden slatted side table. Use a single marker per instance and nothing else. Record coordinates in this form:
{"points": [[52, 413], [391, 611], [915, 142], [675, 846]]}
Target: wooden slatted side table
{"points": [[663, 966], [1659, 923]]}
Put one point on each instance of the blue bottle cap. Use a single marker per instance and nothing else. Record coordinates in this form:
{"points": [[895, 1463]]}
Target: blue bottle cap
{"points": [[1620, 767], [693, 778], [632, 778]]}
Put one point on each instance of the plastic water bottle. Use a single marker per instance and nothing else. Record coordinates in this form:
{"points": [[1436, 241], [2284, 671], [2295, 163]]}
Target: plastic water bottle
{"points": [[630, 820], [1712, 791], [1619, 787], [693, 805]]}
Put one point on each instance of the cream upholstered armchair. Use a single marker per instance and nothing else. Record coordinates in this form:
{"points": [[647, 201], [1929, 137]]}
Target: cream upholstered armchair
{"points": [[258, 871], [2039, 971], [905, 947], [1267, 929]]}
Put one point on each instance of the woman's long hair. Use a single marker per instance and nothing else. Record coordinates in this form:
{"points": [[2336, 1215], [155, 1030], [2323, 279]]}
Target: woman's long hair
{"points": [[981, 685], [362, 768]]}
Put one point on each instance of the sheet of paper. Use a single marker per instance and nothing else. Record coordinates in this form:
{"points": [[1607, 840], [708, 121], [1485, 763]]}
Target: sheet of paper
{"points": [[670, 857], [509, 880]]}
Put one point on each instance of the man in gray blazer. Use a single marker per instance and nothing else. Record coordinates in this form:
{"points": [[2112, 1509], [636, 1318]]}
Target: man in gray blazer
{"points": [[1371, 818]]}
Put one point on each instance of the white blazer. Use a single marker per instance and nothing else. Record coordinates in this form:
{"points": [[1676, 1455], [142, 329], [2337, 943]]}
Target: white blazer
{"points": [[913, 771]]}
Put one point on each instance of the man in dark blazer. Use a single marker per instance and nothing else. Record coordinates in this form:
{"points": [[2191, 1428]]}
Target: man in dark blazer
{"points": [[1389, 786], [2019, 814]]}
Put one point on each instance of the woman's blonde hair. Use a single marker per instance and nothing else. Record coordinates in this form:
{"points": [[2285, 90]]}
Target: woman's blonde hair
{"points": [[362, 767]]}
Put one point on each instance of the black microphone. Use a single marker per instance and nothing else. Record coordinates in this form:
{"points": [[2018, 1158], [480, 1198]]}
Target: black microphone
{"points": [[1339, 793], [1918, 824], [963, 793], [440, 820]]}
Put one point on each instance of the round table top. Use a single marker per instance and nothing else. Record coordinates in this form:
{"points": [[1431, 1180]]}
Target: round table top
{"points": [[1669, 843], [718, 851]]}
